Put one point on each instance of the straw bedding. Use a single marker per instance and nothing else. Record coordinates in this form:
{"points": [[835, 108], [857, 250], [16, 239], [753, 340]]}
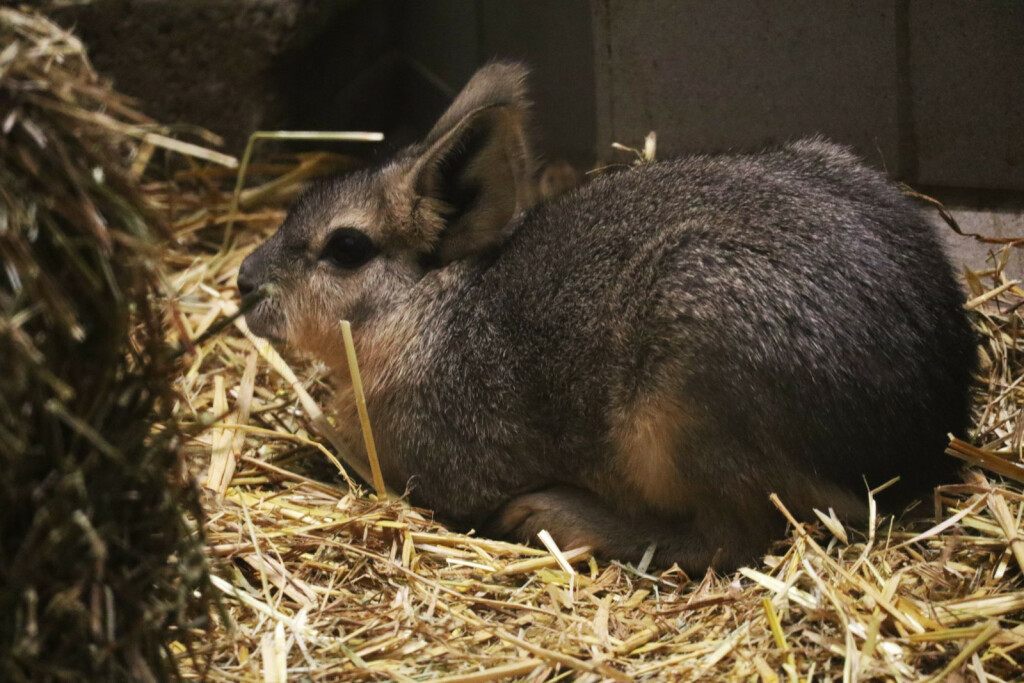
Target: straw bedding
{"points": [[328, 583], [319, 580]]}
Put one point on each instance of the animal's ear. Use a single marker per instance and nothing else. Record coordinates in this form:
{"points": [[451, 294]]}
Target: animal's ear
{"points": [[475, 173]]}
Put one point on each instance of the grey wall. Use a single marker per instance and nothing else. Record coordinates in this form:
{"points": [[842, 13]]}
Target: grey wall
{"points": [[715, 76], [930, 90], [967, 89]]}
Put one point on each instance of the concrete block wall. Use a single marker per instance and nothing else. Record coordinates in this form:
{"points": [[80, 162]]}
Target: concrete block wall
{"points": [[716, 76], [930, 90], [967, 88]]}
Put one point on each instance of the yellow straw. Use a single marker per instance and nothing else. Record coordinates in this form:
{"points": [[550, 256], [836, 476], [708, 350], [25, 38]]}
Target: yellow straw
{"points": [[364, 418]]}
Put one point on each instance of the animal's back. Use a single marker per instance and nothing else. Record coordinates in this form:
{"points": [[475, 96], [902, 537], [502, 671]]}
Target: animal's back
{"points": [[761, 316], [637, 363]]}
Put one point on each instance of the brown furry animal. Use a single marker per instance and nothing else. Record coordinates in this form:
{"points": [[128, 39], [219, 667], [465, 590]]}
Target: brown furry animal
{"points": [[642, 360]]}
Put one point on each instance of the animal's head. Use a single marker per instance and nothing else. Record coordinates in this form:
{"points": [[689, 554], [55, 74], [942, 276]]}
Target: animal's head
{"points": [[351, 246]]}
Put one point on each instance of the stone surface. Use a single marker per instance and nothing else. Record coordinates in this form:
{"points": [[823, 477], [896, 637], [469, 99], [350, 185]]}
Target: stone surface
{"points": [[929, 90], [967, 89], [714, 76], [995, 215]]}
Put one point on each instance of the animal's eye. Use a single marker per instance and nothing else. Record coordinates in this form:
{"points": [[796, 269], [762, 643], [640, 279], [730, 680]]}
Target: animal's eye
{"points": [[348, 248]]}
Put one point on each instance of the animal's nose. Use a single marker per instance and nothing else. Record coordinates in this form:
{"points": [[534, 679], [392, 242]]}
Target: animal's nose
{"points": [[246, 281], [245, 285]]}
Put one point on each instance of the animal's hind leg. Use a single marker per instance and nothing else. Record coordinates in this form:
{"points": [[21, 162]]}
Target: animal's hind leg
{"points": [[576, 517]]}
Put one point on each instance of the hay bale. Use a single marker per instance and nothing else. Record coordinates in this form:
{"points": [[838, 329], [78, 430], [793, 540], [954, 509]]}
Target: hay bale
{"points": [[99, 565]]}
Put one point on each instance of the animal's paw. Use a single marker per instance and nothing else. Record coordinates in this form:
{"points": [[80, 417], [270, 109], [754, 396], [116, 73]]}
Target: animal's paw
{"points": [[566, 514]]}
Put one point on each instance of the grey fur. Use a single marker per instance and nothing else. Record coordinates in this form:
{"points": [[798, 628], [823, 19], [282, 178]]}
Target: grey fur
{"points": [[792, 307]]}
